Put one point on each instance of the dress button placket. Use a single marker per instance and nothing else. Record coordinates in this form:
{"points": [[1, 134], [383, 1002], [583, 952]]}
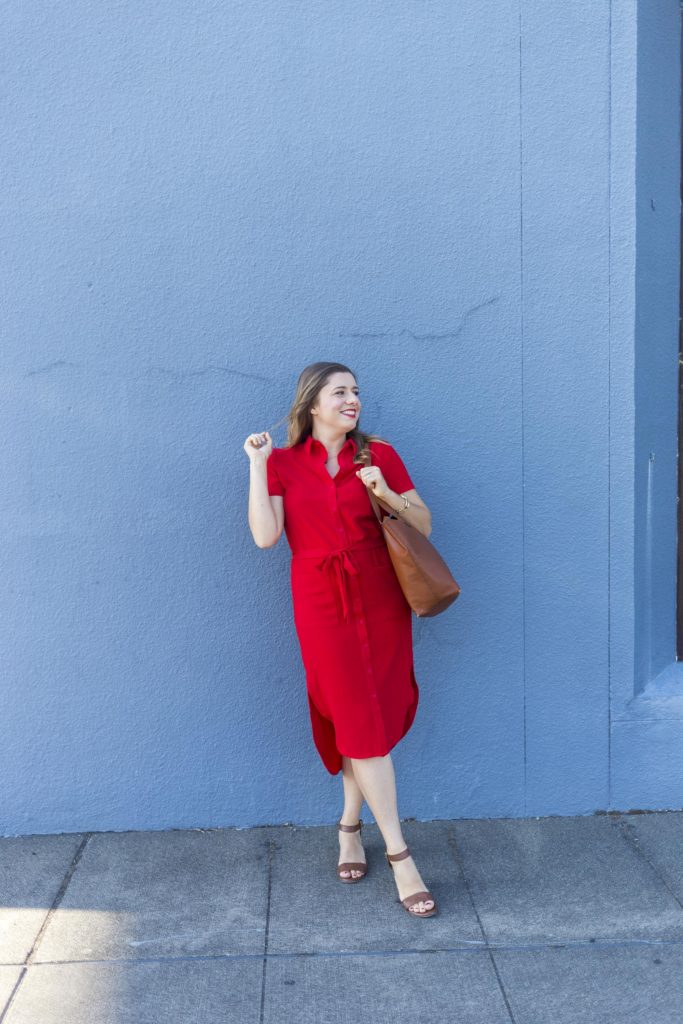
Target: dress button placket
{"points": [[365, 650], [334, 505], [359, 616]]}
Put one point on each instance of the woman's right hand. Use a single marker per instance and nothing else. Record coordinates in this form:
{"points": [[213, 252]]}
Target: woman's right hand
{"points": [[258, 446]]}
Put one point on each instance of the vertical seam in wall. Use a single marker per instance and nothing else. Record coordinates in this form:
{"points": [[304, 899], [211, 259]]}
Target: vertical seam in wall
{"points": [[609, 414], [521, 332]]}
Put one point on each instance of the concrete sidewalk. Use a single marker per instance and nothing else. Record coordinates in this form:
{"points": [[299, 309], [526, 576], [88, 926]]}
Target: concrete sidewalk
{"points": [[541, 921]]}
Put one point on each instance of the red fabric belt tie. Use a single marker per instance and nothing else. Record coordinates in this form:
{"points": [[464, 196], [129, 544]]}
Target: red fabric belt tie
{"points": [[340, 564]]}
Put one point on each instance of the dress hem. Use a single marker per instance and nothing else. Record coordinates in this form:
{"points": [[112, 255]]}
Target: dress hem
{"points": [[336, 761]]}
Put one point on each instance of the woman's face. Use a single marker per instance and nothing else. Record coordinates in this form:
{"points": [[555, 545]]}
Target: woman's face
{"points": [[338, 403]]}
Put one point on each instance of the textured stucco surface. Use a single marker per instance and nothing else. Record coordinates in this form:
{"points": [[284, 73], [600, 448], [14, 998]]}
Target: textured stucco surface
{"points": [[199, 200]]}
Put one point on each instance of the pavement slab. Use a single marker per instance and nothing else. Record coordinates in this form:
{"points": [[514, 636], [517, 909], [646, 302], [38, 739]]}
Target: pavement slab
{"points": [[420, 988], [210, 991], [9, 976], [553, 879], [594, 984], [163, 893]]}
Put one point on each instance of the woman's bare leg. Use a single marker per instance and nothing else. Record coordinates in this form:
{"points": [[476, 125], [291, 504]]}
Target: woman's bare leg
{"points": [[350, 846], [377, 782]]}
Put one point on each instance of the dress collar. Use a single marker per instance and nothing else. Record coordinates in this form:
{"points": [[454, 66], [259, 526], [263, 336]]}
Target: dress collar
{"points": [[314, 447]]}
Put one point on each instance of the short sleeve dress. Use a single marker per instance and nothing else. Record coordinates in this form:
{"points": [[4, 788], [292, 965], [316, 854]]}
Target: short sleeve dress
{"points": [[351, 617]]}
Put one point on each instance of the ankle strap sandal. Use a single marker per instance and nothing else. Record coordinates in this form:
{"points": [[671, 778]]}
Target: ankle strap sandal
{"points": [[414, 898], [352, 865]]}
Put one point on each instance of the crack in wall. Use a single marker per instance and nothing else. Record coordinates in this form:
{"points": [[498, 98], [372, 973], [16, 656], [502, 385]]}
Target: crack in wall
{"points": [[407, 333], [152, 371]]}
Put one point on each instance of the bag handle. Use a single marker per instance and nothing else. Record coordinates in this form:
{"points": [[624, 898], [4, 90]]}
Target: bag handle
{"points": [[377, 502]]}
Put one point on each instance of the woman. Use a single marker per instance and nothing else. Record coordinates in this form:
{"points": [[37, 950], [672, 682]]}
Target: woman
{"points": [[353, 622]]}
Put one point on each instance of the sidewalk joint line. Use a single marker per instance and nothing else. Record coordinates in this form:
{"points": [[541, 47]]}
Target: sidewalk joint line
{"points": [[29, 961], [468, 946], [453, 843], [625, 830], [59, 897], [271, 849]]}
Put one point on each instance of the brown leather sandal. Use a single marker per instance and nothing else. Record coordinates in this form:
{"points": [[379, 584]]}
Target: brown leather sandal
{"points": [[352, 865], [414, 899]]}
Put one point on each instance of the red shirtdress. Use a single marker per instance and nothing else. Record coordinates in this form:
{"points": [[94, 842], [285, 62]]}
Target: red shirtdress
{"points": [[353, 622]]}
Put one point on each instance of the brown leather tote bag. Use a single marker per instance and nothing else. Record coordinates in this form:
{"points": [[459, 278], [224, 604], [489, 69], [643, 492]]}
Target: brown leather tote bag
{"points": [[425, 579]]}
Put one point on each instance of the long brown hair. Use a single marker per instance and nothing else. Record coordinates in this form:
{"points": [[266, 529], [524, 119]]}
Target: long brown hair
{"points": [[299, 419]]}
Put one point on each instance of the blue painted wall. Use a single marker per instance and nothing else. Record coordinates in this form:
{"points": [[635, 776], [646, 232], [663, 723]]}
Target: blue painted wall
{"points": [[647, 681], [656, 351], [455, 200]]}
